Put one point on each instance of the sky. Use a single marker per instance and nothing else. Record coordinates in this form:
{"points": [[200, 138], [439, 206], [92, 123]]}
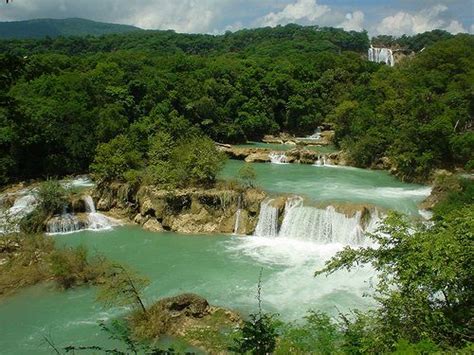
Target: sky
{"points": [[217, 16]]}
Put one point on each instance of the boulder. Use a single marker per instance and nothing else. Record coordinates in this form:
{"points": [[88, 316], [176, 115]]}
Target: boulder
{"points": [[189, 317], [260, 157], [153, 225]]}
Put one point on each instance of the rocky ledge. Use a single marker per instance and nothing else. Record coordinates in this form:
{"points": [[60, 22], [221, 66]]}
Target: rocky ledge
{"points": [[193, 210], [296, 155]]}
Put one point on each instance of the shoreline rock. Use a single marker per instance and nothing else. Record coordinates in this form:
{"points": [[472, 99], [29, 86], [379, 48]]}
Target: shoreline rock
{"points": [[189, 211]]}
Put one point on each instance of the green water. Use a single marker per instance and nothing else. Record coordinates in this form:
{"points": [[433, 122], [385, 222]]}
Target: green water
{"points": [[322, 149], [224, 269], [339, 184]]}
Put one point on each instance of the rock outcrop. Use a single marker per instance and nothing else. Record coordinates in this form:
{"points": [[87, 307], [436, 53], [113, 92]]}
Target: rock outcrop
{"points": [[299, 155], [189, 317], [189, 211]]}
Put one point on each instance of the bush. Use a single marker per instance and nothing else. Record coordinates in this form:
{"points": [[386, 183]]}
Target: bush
{"points": [[247, 175], [73, 266], [52, 198]]}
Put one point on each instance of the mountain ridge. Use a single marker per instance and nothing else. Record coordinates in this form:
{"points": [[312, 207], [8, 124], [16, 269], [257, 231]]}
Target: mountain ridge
{"points": [[48, 27]]}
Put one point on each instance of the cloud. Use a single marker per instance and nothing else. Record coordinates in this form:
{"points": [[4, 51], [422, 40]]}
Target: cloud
{"points": [[425, 20], [216, 16], [354, 21], [306, 10], [180, 15]]}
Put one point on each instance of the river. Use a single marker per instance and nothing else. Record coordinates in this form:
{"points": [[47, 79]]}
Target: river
{"points": [[222, 268]]}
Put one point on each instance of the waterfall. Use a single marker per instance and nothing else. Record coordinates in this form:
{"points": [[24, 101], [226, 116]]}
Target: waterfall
{"points": [[316, 135], [322, 226], [278, 158], [96, 221], [323, 161], [381, 55], [267, 225], [65, 223], [23, 205], [69, 223], [237, 216]]}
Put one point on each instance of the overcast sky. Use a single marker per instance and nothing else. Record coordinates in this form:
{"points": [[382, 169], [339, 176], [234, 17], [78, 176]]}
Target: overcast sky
{"points": [[217, 16]]}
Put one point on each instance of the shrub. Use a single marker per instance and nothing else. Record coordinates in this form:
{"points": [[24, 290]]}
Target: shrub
{"points": [[247, 175]]}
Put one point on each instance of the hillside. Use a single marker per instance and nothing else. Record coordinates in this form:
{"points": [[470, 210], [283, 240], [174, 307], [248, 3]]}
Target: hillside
{"points": [[40, 28]]}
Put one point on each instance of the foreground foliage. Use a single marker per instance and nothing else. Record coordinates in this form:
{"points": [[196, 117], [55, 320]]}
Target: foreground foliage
{"points": [[26, 260], [425, 286]]}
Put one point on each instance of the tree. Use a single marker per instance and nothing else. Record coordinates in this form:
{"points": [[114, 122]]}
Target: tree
{"points": [[259, 333], [424, 289], [123, 288]]}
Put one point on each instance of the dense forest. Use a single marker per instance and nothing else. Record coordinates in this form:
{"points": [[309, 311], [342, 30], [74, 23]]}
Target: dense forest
{"points": [[67, 101]]}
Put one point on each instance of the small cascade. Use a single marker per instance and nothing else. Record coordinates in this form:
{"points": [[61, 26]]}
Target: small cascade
{"points": [[65, 223], [237, 215], [69, 223], [23, 205], [267, 225], [381, 55], [316, 135], [97, 221], [278, 158], [323, 160], [318, 225]]}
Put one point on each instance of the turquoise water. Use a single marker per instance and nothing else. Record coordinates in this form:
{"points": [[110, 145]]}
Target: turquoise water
{"points": [[338, 184], [222, 268]]}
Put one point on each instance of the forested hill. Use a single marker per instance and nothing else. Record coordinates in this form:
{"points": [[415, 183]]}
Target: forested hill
{"points": [[41, 28], [281, 40], [70, 102]]}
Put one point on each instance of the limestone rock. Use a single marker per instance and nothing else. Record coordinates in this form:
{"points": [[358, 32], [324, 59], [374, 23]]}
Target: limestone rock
{"points": [[260, 157], [153, 225]]}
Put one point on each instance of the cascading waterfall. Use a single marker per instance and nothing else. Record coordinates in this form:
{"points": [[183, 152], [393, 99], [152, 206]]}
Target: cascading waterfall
{"points": [[267, 225], [323, 161], [65, 223], [237, 215], [23, 205], [278, 158], [322, 226], [96, 220], [316, 135], [381, 55], [69, 223]]}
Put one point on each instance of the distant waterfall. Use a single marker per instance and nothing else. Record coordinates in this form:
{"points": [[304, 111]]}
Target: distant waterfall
{"points": [[278, 158], [316, 135], [313, 224], [381, 55], [267, 225], [323, 161]]}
